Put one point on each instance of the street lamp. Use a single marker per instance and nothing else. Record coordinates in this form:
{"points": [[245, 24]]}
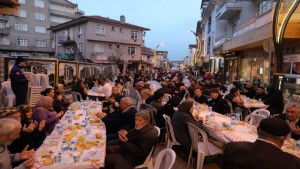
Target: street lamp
{"points": [[155, 54]]}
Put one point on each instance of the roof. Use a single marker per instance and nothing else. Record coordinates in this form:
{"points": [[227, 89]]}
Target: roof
{"points": [[99, 19], [147, 51]]}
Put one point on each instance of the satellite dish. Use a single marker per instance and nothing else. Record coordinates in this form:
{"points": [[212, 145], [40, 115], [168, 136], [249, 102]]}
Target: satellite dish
{"points": [[267, 46]]}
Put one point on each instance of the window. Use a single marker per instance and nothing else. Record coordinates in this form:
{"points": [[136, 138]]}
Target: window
{"points": [[100, 30], [39, 3], [1, 40], [58, 19], [134, 34], [21, 1], [131, 50], [2, 24], [40, 29], [264, 6], [22, 13], [80, 30], [121, 30], [113, 28], [40, 43], [80, 46], [22, 42], [21, 27], [62, 8], [39, 16], [98, 48]]}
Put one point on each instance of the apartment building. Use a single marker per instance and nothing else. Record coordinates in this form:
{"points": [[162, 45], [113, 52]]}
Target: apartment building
{"points": [[163, 61], [147, 62], [27, 34], [237, 36], [100, 40]]}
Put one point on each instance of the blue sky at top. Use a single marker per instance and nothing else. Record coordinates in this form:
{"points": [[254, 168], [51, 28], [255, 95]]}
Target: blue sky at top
{"points": [[169, 20]]}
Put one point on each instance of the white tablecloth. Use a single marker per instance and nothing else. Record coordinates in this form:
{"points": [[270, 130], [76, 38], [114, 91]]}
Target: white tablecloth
{"points": [[89, 158], [95, 93]]}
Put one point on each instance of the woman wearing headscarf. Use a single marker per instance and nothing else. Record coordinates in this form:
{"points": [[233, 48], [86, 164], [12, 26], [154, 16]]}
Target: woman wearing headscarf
{"points": [[44, 111], [180, 121]]}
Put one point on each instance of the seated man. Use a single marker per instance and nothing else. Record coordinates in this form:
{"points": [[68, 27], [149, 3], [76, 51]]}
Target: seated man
{"points": [[291, 116], [113, 102], [106, 88], [124, 120], [9, 131], [134, 146], [265, 152], [260, 94], [236, 101], [217, 103], [199, 97]]}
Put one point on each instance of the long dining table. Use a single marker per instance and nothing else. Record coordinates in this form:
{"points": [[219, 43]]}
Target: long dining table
{"points": [[80, 125], [222, 129]]}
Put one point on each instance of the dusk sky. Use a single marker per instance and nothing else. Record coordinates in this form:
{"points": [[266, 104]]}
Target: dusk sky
{"points": [[169, 20]]}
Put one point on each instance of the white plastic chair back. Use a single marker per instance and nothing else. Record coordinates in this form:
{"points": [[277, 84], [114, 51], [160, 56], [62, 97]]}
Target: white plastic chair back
{"points": [[75, 96], [8, 95], [171, 140], [43, 80], [230, 105], [263, 112], [166, 97], [254, 119], [32, 76], [285, 101], [168, 157], [34, 94], [148, 163]]}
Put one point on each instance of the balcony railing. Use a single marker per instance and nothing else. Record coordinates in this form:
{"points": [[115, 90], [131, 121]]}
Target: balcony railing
{"points": [[61, 13], [229, 9], [4, 31]]}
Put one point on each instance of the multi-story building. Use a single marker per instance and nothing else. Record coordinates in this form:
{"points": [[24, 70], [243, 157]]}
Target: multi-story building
{"points": [[9, 7], [176, 65], [237, 36], [100, 40], [163, 61], [192, 51], [27, 34], [147, 55]]}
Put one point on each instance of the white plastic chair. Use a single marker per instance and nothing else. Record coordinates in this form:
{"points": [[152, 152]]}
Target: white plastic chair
{"points": [[9, 97], [230, 105], [75, 96], [263, 112], [169, 157], [254, 119], [153, 114], [203, 146], [166, 97], [171, 139], [34, 94], [285, 101], [148, 163]]}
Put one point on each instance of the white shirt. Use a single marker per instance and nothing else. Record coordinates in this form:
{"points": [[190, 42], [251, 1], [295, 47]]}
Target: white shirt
{"points": [[106, 89]]}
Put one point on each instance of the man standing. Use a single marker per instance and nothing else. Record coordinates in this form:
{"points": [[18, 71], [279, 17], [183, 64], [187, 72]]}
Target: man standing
{"points": [[134, 146], [265, 152], [19, 82], [9, 131]]}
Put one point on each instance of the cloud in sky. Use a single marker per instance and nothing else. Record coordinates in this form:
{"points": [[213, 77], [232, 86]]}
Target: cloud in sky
{"points": [[169, 20]]}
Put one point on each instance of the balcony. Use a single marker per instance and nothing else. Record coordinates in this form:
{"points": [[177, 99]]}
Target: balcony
{"points": [[65, 40], [4, 31], [61, 13], [228, 10]]}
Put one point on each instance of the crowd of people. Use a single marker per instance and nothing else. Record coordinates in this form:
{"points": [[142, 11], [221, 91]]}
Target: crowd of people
{"points": [[130, 133]]}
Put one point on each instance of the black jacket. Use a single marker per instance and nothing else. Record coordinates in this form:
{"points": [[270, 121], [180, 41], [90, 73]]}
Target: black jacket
{"points": [[219, 105], [257, 155], [294, 136]]}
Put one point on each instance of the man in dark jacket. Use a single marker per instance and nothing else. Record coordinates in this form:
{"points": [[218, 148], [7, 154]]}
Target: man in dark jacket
{"points": [[124, 120], [19, 82], [265, 152], [217, 103], [134, 146], [291, 116]]}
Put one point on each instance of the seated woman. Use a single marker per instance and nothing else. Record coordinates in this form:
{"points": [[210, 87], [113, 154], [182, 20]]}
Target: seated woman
{"points": [[48, 92], [43, 111], [33, 127], [80, 88], [180, 126]]}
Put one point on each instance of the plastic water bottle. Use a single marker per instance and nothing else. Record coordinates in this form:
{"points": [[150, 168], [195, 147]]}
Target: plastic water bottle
{"points": [[59, 128], [68, 116], [64, 146], [100, 107], [233, 120], [87, 118], [298, 147], [83, 124], [73, 145], [88, 130], [238, 116], [87, 98], [69, 109]]}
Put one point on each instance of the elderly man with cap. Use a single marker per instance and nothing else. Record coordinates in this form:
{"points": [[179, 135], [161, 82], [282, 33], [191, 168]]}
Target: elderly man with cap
{"points": [[265, 152], [19, 82], [9, 131], [134, 146]]}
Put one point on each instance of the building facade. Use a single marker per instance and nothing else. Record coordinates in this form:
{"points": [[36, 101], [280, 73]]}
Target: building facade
{"points": [[237, 37], [163, 61], [100, 40], [27, 34]]}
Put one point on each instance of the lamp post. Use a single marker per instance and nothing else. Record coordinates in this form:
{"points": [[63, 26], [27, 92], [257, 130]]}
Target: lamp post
{"points": [[155, 54], [198, 49]]}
